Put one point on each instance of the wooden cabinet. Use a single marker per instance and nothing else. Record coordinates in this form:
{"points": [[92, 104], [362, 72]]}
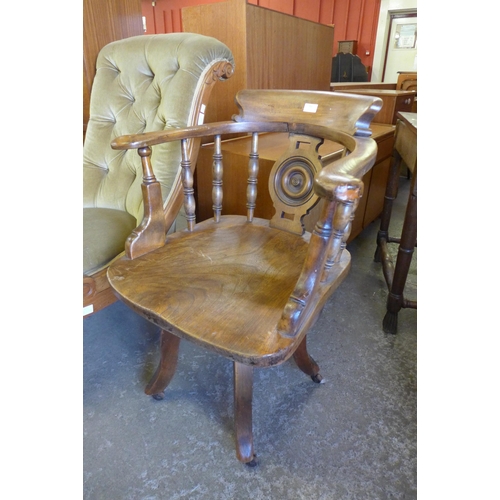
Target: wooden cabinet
{"points": [[375, 180], [394, 102], [271, 50], [235, 157]]}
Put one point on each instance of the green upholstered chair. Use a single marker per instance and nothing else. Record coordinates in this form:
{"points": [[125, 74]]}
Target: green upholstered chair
{"points": [[143, 84]]}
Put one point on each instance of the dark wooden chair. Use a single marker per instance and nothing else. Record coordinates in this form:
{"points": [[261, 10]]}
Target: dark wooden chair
{"points": [[248, 288]]}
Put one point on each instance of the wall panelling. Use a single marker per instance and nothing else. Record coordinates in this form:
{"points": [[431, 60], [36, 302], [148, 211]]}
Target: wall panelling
{"points": [[105, 22], [353, 19]]}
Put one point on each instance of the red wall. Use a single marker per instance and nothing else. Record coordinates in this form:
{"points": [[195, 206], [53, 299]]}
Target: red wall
{"points": [[353, 19]]}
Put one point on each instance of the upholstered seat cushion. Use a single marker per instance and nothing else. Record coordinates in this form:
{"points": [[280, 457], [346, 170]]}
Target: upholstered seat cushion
{"points": [[104, 233]]}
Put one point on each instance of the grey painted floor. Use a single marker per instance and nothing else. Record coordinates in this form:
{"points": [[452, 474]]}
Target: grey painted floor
{"points": [[353, 437]]}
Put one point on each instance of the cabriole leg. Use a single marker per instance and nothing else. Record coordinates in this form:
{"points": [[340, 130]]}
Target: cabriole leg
{"points": [[306, 363], [243, 392], [169, 352]]}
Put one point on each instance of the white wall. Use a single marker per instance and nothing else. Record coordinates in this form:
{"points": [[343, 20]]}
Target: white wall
{"points": [[386, 8]]}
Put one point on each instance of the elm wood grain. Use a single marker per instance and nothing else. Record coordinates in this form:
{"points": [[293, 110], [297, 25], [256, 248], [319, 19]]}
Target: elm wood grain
{"points": [[210, 273], [245, 287], [405, 148]]}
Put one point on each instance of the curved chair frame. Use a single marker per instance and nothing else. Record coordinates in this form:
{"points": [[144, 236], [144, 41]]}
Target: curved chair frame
{"points": [[253, 302]]}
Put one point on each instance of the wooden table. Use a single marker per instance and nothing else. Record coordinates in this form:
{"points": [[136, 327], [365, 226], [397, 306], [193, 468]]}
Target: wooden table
{"points": [[405, 148]]}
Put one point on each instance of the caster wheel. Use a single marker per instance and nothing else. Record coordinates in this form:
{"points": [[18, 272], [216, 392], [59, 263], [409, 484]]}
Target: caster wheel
{"points": [[317, 378], [252, 462], [158, 396]]}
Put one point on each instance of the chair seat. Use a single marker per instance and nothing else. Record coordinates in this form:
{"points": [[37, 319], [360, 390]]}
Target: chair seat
{"points": [[227, 273], [104, 233]]}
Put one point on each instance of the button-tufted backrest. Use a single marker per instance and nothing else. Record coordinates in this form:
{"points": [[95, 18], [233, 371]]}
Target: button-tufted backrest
{"points": [[142, 84]]}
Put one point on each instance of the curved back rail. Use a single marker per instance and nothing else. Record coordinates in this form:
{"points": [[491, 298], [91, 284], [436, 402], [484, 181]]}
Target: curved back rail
{"points": [[298, 180]]}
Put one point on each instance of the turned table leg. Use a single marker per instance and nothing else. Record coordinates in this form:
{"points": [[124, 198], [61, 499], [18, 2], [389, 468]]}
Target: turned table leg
{"points": [[391, 192], [396, 300]]}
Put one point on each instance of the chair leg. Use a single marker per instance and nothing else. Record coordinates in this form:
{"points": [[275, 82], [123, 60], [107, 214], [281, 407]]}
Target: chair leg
{"points": [[306, 363], [243, 392], [169, 352]]}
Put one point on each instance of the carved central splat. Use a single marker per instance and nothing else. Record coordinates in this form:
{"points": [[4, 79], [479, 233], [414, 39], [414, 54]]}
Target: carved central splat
{"points": [[291, 182]]}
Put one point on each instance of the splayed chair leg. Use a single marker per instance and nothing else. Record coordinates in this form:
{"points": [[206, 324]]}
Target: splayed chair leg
{"points": [[243, 392], [169, 352], [306, 363]]}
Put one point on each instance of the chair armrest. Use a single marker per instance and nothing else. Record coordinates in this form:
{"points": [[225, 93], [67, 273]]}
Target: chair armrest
{"points": [[149, 139], [333, 181], [341, 186]]}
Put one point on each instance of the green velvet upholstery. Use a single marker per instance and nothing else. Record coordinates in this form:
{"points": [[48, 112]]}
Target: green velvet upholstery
{"points": [[109, 229], [142, 84]]}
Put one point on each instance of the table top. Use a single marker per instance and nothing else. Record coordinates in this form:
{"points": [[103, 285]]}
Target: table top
{"points": [[409, 118]]}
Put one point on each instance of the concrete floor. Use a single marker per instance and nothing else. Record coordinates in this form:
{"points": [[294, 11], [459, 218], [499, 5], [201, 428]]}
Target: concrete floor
{"points": [[353, 437]]}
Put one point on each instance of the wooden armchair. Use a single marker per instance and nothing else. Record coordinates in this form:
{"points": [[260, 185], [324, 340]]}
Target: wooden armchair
{"points": [[247, 288], [142, 84]]}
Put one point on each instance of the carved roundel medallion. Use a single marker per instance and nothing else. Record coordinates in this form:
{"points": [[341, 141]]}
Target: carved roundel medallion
{"points": [[294, 181], [291, 183]]}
